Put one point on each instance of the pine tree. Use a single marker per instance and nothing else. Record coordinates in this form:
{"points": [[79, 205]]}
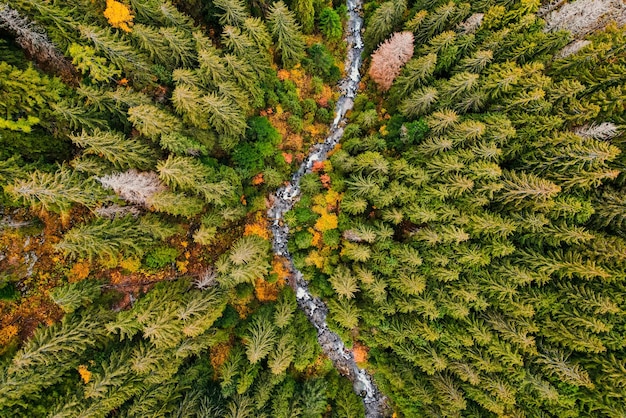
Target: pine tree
{"points": [[282, 355], [105, 239], [305, 12], [261, 338], [286, 33], [233, 12], [74, 295], [384, 21], [152, 122], [116, 50], [330, 24], [114, 147], [57, 191]]}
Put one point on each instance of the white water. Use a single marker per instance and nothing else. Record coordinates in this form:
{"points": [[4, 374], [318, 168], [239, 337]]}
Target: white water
{"points": [[284, 199]]}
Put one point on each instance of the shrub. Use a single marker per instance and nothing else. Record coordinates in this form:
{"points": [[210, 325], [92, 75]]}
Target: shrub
{"points": [[160, 257]]}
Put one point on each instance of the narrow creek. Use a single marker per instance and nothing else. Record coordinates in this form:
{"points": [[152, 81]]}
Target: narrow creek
{"points": [[284, 200]]}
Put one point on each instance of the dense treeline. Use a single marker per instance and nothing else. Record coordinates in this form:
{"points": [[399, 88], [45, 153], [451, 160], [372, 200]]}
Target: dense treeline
{"points": [[134, 125], [469, 229], [182, 350], [144, 136]]}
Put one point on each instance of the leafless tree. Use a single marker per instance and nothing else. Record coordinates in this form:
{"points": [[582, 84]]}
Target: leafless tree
{"points": [[35, 42], [134, 186], [582, 17], [603, 131]]}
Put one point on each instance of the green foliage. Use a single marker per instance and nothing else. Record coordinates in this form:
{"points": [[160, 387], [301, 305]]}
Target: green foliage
{"points": [[74, 295], [286, 33], [160, 257], [330, 24], [320, 61]]}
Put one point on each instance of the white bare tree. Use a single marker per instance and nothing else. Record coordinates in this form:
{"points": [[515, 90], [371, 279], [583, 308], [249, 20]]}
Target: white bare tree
{"points": [[582, 17], [134, 186], [603, 131], [33, 39]]}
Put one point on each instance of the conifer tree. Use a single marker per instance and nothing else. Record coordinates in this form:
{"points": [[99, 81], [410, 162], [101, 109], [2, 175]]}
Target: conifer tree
{"points": [[286, 33]]}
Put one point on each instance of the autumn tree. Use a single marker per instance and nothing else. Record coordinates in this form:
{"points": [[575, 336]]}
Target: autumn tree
{"points": [[388, 59]]}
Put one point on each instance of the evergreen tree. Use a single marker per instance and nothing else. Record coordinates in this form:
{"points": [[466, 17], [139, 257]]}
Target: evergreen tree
{"points": [[286, 33]]}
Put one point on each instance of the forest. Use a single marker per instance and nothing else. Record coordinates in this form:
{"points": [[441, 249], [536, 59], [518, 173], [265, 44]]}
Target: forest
{"points": [[467, 234]]}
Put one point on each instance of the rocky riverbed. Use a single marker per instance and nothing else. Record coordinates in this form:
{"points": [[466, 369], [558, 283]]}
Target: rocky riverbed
{"points": [[283, 201]]}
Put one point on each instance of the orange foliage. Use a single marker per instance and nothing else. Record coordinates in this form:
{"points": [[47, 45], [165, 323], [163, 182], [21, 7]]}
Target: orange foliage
{"points": [[218, 354], [280, 269], [293, 142], [7, 334], [360, 352], [334, 150], [85, 374], [318, 166], [116, 277], [317, 240], [78, 272], [258, 179], [283, 75], [266, 291], [325, 179], [288, 157], [118, 15]]}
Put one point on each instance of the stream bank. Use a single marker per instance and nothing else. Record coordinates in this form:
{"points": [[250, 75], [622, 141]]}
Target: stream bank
{"points": [[285, 198]]}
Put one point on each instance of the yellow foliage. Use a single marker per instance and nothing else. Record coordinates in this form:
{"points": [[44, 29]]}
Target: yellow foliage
{"points": [[326, 222], [85, 374], [7, 333], [332, 198], [360, 352], [131, 265], [119, 15], [315, 259], [181, 266], [78, 272], [317, 240]]}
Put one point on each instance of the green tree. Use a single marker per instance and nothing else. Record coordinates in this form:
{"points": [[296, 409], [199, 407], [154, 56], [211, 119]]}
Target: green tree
{"points": [[57, 191], [286, 33], [383, 22], [330, 24], [113, 146], [261, 338]]}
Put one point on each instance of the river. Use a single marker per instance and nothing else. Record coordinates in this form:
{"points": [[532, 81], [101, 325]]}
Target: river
{"points": [[285, 198]]}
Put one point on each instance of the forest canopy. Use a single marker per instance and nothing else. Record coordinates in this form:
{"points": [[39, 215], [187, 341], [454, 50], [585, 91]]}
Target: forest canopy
{"points": [[466, 235]]}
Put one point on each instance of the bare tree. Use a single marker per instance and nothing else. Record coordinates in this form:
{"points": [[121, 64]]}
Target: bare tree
{"points": [[134, 186], [206, 279], [471, 24], [34, 40], [603, 131], [582, 17]]}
